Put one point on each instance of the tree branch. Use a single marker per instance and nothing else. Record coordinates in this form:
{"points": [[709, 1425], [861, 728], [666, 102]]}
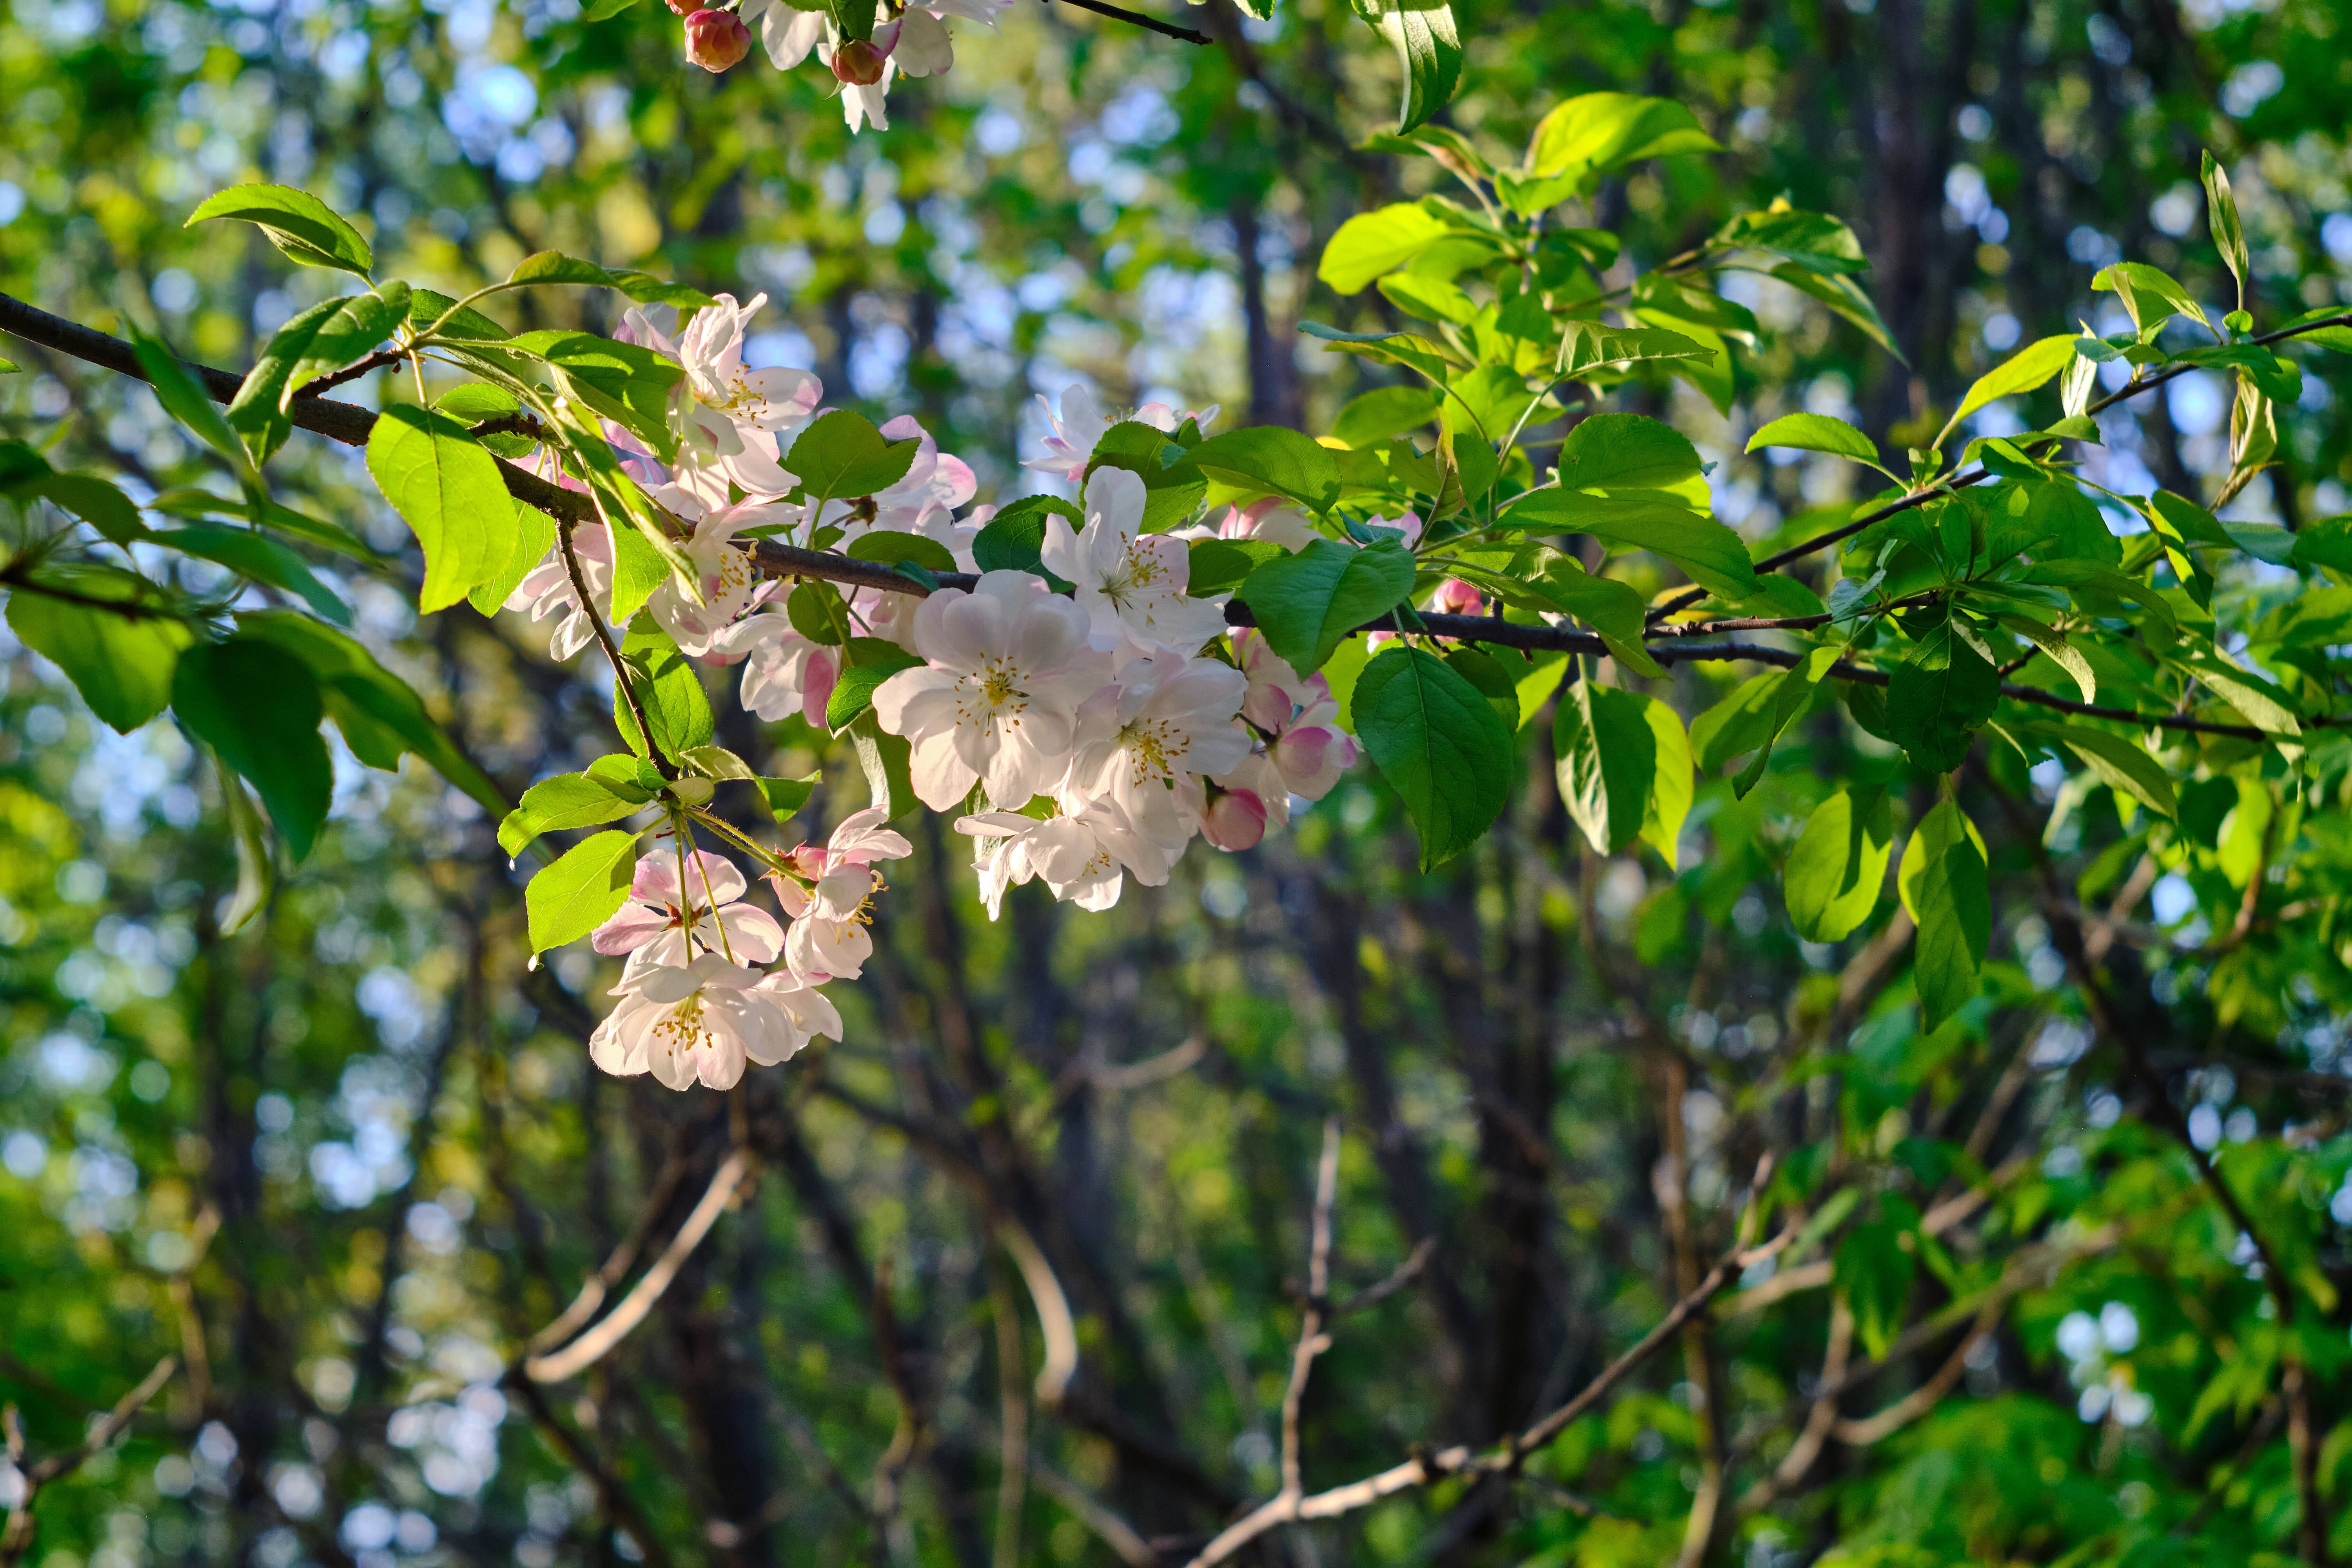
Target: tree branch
{"points": [[1504, 1461], [350, 425], [16, 1537], [1137, 19]]}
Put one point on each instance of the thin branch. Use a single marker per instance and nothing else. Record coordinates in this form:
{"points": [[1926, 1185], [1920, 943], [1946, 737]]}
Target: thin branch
{"points": [[604, 634], [1404, 1274], [598, 1342], [1312, 1341], [1977, 475], [1055, 1321], [349, 424], [1137, 19], [1116, 1533], [618, 1503], [16, 1537], [1504, 1461]]}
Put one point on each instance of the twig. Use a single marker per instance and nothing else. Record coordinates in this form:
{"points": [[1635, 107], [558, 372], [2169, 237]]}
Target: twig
{"points": [[1404, 1274], [618, 1503], [1053, 1318], [598, 1342], [575, 1317], [1116, 1533], [604, 634], [1312, 1341], [349, 424], [1973, 476], [1460, 1459], [16, 1537], [1137, 19]]}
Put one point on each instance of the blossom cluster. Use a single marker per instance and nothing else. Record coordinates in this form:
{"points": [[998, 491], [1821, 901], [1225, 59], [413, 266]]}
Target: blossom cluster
{"points": [[914, 42], [1081, 737]]}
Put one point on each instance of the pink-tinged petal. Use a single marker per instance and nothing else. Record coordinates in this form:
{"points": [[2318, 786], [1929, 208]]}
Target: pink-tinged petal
{"points": [[916, 701], [818, 678], [655, 881], [712, 879], [629, 929], [753, 933], [793, 898], [1235, 819]]}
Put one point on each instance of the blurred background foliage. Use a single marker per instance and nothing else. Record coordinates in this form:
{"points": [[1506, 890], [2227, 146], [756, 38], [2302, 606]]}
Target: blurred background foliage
{"points": [[349, 1159]]}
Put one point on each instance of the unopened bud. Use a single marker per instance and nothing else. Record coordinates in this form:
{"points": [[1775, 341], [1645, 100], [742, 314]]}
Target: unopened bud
{"points": [[716, 39], [1456, 597], [859, 63], [1235, 818]]}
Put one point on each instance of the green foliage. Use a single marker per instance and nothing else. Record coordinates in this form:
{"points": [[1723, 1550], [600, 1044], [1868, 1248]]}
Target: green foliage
{"points": [[449, 491]]}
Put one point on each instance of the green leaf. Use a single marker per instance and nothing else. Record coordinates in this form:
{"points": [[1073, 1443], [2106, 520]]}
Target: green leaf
{"points": [[449, 491], [1374, 417], [1440, 744], [1713, 555], [94, 500], [1790, 699], [120, 662], [1736, 724], [843, 454], [2150, 296], [450, 320], [1838, 869], [1611, 608], [569, 800], [298, 223], [1607, 761], [1492, 679], [9, 367], [1873, 1272], [884, 759], [1844, 297], [872, 661], [2120, 764], [817, 613], [1171, 488], [1588, 346], [666, 682], [1943, 884], [1427, 45], [1305, 603], [2061, 652], [1816, 433], [2029, 368], [258, 707], [191, 502], [1938, 697], [890, 546], [1269, 459], [177, 390], [258, 558], [1815, 242], [1219, 565], [580, 890], [1372, 243], [2222, 217], [357, 325], [534, 537], [1015, 538], [258, 414], [380, 716], [625, 383], [784, 797], [554, 267], [257, 873], [1672, 787], [638, 568], [1602, 130], [1613, 453]]}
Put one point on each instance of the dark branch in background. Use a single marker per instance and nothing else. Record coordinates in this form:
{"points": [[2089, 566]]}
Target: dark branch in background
{"points": [[1137, 19], [343, 422]]}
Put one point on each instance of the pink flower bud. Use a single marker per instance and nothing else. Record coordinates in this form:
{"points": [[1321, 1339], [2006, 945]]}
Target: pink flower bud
{"points": [[859, 63], [1456, 597], [716, 39], [1235, 818]]}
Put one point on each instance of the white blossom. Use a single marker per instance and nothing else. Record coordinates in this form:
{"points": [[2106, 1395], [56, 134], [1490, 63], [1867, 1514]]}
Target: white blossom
{"points": [[695, 1022], [1006, 666], [1166, 717], [664, 907], [1131, 583], [783, 672]]}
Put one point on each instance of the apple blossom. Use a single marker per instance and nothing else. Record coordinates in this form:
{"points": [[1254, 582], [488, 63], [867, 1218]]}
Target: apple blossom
{"points": [[1456, 597], [547, 589], [694, 1023], [1132, 584], [1079, 425], [665, 922], [1006, 666], [727, 579], [783, 672], [1166, 716], [1234, 819]]}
